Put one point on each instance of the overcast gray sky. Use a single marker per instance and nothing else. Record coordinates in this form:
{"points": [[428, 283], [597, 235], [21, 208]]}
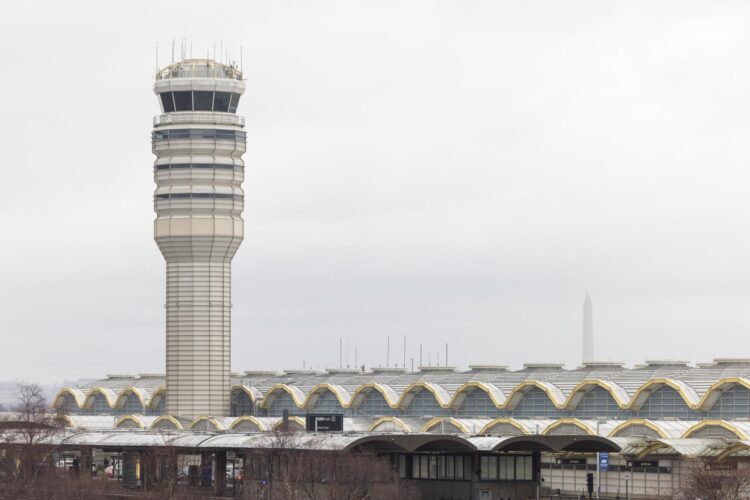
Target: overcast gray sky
{"points": [[459, 172]]}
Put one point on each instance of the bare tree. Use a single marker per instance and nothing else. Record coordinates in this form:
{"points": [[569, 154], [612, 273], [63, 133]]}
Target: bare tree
{"points": [[24, 440], [364, 474], [715, 481], [292, 470]]}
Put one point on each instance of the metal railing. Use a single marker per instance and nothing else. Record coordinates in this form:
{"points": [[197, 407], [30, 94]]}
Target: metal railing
{"points": [[200, 69], [198, 117]]}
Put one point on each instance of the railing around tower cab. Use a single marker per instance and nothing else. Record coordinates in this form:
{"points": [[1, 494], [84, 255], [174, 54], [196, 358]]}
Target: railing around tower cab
{"points": [[199, 69], [198, 117]]}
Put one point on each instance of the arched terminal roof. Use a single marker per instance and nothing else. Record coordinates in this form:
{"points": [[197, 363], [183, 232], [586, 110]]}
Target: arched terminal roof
{"points": [[698, 387]]}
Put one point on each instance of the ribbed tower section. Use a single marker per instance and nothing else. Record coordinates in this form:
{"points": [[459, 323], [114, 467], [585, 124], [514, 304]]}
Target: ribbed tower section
{"points": [[198, 141]]}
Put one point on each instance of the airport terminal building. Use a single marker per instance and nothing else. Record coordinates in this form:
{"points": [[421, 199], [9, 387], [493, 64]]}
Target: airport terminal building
{"points": [[655, 418]]}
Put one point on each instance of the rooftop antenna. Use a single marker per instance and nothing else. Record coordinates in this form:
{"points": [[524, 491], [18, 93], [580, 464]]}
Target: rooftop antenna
{"points": [[438, 358], [172, 50], [221, 49], [355, 355], [588, 330], [214, 51], [341, 347], [429, 358], [191, 50], [420, 355], [388, 351], [404, 351], [347, 350]]}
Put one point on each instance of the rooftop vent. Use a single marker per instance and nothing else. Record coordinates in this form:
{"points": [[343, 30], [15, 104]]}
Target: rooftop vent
{"points": [[342, 371], [488, 368], [147, 375], [732, 361], [613, 365], [655, 363], [260, 373], [300, 372], [437, 369], [388, 369], [117, 375], [543, 366]]}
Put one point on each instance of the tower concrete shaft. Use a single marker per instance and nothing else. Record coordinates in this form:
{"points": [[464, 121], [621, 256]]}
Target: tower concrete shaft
{"points": [[198, 141]]}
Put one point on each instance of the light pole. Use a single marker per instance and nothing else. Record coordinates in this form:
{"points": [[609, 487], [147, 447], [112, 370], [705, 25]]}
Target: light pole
{"points": [[598, 466]]}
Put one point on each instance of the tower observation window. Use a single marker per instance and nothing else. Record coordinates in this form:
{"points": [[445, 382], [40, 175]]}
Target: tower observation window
{"points": [[199, 165], [174, 196], [235, 100], [166, 102], [203, 100], [198, 133], [199, 100], [221, 101], [183, 100]]}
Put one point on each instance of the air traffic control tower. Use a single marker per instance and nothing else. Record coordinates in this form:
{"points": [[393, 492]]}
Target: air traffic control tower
{"points": [[198, 141]]}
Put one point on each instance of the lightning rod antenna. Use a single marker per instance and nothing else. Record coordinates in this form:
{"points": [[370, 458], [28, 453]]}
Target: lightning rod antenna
{"points": [[388, 351], [404, 365]]}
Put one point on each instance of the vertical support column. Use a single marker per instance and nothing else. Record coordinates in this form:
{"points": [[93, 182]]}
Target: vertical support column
{"points": [[238, 485], [474, 475], [206, 470], [86, 463], [130, 469], [149, 466], [285, 420], [220, 472], [11, 467]]}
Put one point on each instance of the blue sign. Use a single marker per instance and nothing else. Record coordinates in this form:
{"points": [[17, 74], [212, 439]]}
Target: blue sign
{"points": [[604, 461]]}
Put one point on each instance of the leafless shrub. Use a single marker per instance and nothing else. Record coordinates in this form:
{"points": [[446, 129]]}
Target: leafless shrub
{"points": [[715, 481], [287, 471]]}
